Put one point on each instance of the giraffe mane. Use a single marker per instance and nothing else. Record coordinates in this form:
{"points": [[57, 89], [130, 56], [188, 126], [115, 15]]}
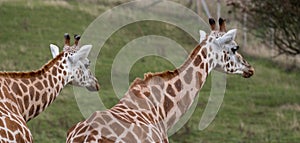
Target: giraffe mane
{"points": [[167, 75], [38, 72]]}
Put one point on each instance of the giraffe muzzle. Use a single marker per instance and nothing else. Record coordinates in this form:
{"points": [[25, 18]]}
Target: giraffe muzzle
{"points": [[95, 87], [248, 73]]}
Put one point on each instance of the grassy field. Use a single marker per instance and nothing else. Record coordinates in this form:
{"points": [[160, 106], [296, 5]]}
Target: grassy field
{"points": [[264, 108]]}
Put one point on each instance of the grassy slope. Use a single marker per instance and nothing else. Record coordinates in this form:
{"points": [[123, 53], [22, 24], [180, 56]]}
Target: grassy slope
{"points": [[264, 108]]}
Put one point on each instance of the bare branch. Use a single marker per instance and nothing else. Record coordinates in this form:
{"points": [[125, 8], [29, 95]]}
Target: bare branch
{"points": [[280, 15]]}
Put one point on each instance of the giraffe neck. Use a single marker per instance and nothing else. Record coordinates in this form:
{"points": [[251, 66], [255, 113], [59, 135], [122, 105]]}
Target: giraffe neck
{"points": [[32, 92], [181, 90], [165, 97]]}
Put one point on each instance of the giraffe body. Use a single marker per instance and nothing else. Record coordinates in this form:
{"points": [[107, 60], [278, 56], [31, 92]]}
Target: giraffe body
{"points": [[24, 95], [154, 104], [146, 112]]}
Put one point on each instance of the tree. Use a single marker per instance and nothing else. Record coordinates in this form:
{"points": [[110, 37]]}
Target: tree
{"points": [[274, 21]]}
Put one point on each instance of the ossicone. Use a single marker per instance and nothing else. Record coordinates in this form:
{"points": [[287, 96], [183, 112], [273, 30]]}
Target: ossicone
{"points": [[222, 24], [212, 23], [67, 45]]}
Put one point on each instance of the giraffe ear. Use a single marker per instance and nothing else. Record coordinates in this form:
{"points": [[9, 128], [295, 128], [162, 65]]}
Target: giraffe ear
{"points": [[81, 54], [227, 37], [202, 36], [54, 50]]}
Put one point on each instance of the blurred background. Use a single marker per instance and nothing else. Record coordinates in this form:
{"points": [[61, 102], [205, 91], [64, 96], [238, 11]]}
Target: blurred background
{"points": [[264, 108]]}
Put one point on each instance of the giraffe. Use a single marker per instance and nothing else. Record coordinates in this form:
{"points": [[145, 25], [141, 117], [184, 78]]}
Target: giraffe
{"points": [[152, 105], [24, 95]]}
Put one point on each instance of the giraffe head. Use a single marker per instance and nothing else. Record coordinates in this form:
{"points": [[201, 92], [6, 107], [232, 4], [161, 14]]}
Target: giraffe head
{"points": [[77, 65], [225, 50]]}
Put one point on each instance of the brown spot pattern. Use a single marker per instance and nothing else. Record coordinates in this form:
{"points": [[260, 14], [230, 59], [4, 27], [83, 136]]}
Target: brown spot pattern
{"points": [[129, 138], [156, 93], [24, 88], [137, 93], [204, 53], [26, 101], [178, 85], [170, 90], [197, 61], [106, 140], [202, 66], [45, 82], [117, 128], [199, 81], [38, 85], [15, 87], [168, 104], [188, 76], [147, 93], [171, 121]]}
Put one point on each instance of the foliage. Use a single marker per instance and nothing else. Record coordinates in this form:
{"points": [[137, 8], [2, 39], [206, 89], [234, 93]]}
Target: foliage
{"points": [[276, 22]]}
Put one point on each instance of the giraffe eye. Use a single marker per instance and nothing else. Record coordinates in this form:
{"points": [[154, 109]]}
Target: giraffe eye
{"points": [[86, 65], [234, 49]]}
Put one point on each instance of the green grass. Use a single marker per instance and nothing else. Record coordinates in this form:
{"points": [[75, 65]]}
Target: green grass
{"points": [[264, 108]]}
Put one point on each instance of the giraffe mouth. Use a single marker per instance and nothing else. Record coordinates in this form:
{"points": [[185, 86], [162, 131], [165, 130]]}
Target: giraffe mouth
{"points": [[94, 88], [249, 73]]}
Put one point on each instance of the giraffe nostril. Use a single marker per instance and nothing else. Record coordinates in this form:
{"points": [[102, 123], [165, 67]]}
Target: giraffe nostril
{"points": [[248, 73], [251, 70]]}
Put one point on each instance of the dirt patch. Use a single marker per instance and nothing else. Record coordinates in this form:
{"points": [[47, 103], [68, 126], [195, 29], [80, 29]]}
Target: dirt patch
{"points": [[58, 3], [294, 107]]}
